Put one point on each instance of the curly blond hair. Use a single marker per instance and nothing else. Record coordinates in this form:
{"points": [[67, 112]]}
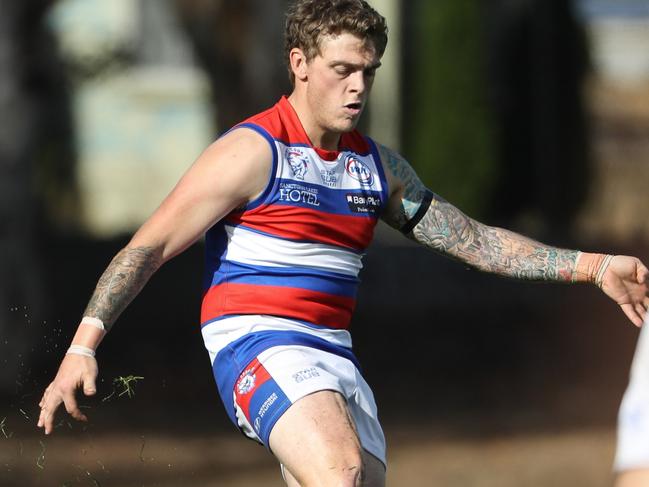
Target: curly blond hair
{"points": [[307, 21]]}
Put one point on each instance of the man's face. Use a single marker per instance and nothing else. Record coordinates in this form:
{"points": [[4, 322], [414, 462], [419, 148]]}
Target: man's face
{"points": [[339, 81]]}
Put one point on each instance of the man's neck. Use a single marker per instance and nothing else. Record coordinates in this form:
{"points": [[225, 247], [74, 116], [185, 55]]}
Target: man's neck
{"points": [[319, 137]]}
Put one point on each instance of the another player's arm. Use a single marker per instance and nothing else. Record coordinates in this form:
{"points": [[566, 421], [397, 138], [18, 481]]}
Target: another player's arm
{"points": [[433, 222], [230, 172]]}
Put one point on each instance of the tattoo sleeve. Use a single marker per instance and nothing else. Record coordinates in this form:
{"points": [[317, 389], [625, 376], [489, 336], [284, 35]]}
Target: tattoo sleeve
{"points": [[447, 230], [122, 280]]}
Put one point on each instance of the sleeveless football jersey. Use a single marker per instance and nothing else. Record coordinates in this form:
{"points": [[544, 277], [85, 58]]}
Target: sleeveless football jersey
{"points": [[295, 252]]}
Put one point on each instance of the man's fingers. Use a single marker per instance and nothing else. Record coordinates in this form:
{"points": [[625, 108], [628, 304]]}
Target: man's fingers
{"points": [[47, 420], [45, 394], [643, 274], [632, 314], [89, 387], [72, 408], [41, 418], [51, 402], [48, 409]]}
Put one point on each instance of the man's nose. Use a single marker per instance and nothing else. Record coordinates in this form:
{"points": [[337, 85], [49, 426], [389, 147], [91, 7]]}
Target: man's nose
{"points": [[358, 82]]}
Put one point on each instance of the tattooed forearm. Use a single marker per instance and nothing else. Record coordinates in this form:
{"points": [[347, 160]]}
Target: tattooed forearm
{"points": [[122, 280], [411, 189], [446, 229]]}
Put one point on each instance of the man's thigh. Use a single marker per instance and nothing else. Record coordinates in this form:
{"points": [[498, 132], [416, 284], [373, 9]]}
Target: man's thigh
{"points": [[633, 478], [316, 441]]}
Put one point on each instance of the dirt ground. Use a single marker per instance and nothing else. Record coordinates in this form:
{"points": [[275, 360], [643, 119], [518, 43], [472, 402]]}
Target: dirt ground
{"points": [[422, 459]]}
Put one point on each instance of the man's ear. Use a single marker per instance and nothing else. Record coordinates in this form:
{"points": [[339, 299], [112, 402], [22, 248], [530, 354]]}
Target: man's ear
{"points": [[298, 62]]}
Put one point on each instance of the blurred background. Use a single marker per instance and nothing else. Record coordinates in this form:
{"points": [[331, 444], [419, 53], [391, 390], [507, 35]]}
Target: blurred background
{"points": [[527, 114]]}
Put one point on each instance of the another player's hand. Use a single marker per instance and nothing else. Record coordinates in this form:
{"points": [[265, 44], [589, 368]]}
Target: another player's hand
{"points": [[75, 372], [626, 282]]}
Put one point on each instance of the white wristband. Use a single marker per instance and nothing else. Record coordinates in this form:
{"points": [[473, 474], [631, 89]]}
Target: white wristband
{"points": [[81, 350], [96, 322]]}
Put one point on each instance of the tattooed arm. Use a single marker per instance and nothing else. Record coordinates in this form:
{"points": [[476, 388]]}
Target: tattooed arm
{"points": [[435, 223], [230, 172], [446, 229], [124, 278]]}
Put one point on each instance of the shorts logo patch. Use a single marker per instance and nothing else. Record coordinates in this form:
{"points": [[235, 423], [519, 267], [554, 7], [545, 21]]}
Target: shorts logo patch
{"points": [[246, 383], [306, 374]]}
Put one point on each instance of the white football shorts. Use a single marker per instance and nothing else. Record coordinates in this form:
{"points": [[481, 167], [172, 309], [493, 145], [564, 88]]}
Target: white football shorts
{"points": [[281, 375]]}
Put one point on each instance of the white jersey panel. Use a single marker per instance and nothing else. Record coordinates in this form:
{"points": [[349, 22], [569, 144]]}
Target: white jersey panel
{"points": [[254, 248], [350, 171], [219, 334]]}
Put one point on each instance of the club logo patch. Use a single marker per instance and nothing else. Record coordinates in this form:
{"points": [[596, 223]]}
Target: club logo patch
{"points": [[297, 161], [246, 383], [358, 170]]}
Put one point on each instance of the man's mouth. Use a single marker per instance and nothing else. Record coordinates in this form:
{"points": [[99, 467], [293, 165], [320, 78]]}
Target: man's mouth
{"points": [[354, 107]]}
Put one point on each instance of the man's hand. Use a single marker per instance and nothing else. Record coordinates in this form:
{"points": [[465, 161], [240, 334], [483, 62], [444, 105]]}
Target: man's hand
{"points": [[625, 282], [75, 372]]}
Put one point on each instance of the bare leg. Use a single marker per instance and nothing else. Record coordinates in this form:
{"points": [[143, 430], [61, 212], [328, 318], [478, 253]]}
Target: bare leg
{"points": [[373, 476], [316, 441]]}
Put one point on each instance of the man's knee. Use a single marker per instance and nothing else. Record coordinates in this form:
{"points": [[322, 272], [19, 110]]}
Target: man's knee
{"points": [[336, 469], [345, 471], [368, 471]]}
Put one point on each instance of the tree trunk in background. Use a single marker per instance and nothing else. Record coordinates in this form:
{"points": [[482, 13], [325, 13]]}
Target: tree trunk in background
{"points": [[538, 59], [447, 130], [240, 46], [498, 127], [34, 131]]}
